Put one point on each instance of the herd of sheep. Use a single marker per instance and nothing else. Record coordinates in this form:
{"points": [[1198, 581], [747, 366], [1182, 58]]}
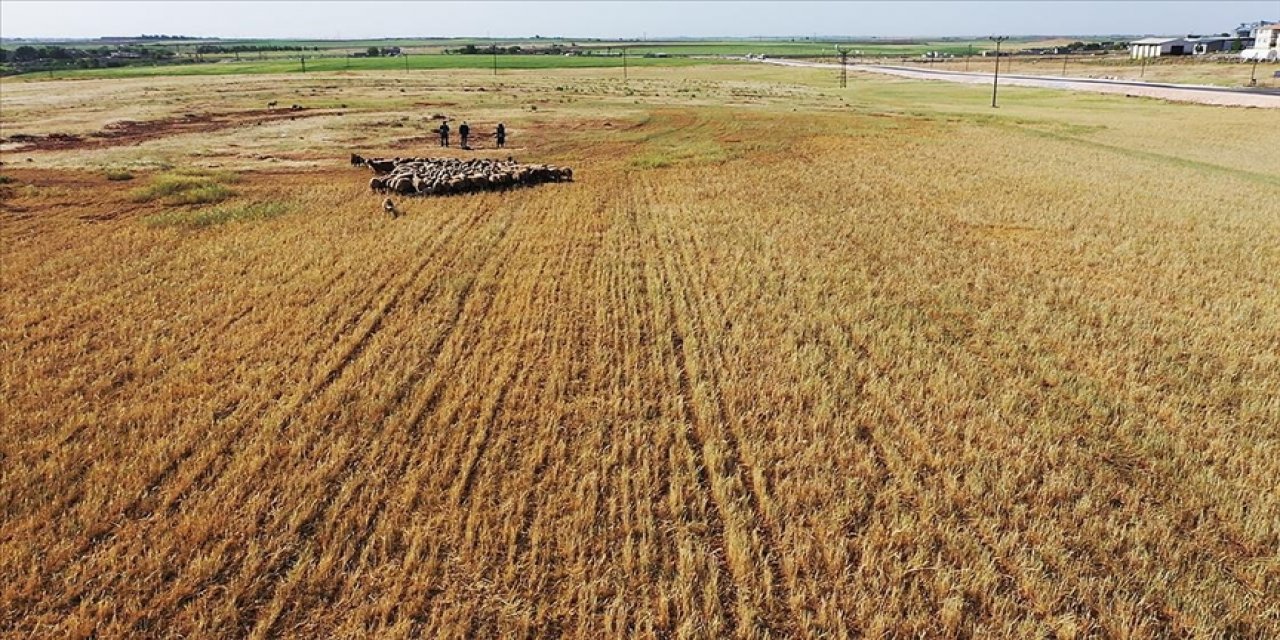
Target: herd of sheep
{"points": [[443, 176]]}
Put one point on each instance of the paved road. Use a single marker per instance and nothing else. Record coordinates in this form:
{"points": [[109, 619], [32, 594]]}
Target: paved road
{"points": [[1242, 97]]}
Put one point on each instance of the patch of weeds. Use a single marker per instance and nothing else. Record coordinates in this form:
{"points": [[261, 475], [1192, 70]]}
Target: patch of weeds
{"points": [[7, 179], [683, 152], [187, 187], [116, 175], [651, 160], [211, 216]]}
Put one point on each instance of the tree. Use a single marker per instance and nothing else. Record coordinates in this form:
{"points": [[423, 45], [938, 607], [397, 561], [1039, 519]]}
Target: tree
{"points": [[374, 52], [25, 53]]}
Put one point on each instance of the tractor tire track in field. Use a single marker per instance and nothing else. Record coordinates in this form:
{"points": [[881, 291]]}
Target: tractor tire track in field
{"points": [[756, 493], [264, 626], [236, 403], [136, 509], [413, 381], [466, 336], [432, 393], [711, 424], [228, 443], [694, 433]]}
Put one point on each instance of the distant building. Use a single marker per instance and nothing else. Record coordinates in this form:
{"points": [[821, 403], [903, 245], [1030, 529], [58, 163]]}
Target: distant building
{"points": [[1217, 44], [1250, 29], [1156, 47], [1264, 43]]}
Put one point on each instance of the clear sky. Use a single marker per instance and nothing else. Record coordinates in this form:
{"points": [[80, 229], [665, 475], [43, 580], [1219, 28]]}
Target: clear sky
{"points": [[337, 19]]}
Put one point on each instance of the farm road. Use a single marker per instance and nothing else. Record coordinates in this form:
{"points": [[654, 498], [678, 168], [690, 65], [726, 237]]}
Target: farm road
{"points": [[1223, 96]]}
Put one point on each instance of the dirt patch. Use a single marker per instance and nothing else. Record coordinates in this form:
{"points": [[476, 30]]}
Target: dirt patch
{"points": [[416, 140], [130, 132]]}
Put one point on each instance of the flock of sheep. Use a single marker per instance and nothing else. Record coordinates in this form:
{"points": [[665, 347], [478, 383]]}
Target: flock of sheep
{"points": [[443, 176]]}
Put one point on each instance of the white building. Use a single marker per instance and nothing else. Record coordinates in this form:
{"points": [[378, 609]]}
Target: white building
{"points": [[1156, 47], [1264, 44]]}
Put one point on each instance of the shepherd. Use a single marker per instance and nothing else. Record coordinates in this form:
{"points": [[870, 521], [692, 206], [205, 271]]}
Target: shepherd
{"points": [[463, 131], [501, 135], [444, 134]]}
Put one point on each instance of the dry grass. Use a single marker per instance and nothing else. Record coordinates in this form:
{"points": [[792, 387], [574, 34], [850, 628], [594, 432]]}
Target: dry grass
{"points": [[886, 365]]}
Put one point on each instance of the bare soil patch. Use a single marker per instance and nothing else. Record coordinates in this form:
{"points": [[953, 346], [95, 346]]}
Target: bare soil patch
{"points": [[131, 132]]}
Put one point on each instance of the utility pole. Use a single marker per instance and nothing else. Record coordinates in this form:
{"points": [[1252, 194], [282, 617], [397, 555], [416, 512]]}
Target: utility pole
{"points": [[303, 59], [1253, 76], [995, 80], [967, 57], [844, 66], [406, 61], [1143, 74], [1065, 57], [624, 65], [494, 49]]}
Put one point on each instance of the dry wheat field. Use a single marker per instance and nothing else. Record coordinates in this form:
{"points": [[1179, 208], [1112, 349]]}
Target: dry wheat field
{"points": [[784, 361]]}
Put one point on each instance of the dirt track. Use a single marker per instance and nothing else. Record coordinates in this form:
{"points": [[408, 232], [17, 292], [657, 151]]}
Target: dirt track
{"points": [[1181, 93]]}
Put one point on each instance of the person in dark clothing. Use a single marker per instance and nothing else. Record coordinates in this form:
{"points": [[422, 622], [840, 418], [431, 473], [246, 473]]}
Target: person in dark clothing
{"points": [[444, 134], [463, 131], [501, 135]]}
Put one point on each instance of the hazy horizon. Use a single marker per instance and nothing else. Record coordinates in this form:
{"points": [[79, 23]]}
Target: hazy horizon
{"points": [[620, 20]]}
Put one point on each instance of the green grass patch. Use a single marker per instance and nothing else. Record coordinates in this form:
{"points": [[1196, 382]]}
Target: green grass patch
{"points": [[117, 175], [652, 160], [680, 152], [186, 187], [211, 216]]}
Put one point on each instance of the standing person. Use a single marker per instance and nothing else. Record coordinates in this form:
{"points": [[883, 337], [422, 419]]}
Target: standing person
{"points": [[463, 131], [501, 135], [444, 134]]}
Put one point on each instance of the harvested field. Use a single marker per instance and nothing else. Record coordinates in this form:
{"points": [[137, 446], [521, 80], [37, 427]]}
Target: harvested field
{"points": [[872, 363]]}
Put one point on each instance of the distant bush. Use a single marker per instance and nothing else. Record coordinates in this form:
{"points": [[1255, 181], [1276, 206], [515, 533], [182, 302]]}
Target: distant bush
{"points": [[117, 175], [6, 179]]}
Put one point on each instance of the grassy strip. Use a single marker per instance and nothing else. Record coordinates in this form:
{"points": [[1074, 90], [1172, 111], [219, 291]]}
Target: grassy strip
{"points": [[410, 63], [179, 188], [201, 218]]}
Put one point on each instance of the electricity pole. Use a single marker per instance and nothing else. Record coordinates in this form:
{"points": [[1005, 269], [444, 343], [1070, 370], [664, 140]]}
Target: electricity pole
{"points": [[624, 65], [1253, 76], [844, 66], [303, 60], [995, 80], [1065, 57], [494, 49], [967, 57], [1143, 74], [406, 61]]}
